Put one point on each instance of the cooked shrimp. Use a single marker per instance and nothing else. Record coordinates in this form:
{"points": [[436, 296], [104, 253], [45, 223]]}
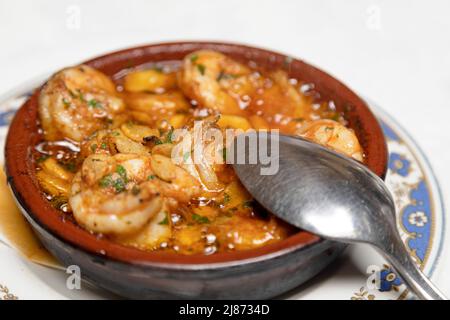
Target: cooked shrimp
{"points": [[157, 230], [110, 194], [334, 135], [119, 194], [76, 102], [199, 76]]}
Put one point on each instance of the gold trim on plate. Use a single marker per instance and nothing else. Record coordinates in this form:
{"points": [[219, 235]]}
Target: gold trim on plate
{"points": [[6, 295]]}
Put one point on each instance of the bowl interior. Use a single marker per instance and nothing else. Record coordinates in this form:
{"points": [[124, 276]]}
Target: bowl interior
{"points": [[23, 135]]}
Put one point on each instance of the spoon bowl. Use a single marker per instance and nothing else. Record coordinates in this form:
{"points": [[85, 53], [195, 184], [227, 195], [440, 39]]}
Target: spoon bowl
{"points": [[330, 195]]}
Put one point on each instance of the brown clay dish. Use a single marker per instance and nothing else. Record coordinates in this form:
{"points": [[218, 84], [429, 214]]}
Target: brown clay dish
{"points": [[257, 273]]}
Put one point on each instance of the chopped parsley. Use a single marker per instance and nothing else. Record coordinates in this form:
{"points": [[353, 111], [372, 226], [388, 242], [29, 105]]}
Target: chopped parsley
{"points": [[66, 102], [200, 219], [201, 68], [119, 185], [93, 147], [106, 181], [80, 95], [186, 156], [94, 104], [194, 58], [151, 177], [104, 146], [226, 198], [153, 139], [164, 221], [169, 137], [122, 173]]}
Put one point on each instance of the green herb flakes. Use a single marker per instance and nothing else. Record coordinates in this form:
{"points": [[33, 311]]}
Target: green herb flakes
{"points": [[164, 221], [194, 58], [106, 181], [169, 137], [122, 172], [119, 185], [94, 104], [226, 198], [200, 219], [66, 102], [201, 68]]}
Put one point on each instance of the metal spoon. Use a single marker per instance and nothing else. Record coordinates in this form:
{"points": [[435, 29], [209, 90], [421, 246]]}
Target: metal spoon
{"points": [[330, 195]]}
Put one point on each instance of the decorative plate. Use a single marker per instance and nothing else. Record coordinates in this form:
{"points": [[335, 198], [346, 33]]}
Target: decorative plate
{"points": [[360, 273]]}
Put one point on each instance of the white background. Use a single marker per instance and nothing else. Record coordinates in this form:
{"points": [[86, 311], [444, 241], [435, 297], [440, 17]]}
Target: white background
{"points": [[396, 52]]}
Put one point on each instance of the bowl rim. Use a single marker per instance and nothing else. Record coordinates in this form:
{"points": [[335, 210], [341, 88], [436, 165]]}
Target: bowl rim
{"points": [[19, 172]]}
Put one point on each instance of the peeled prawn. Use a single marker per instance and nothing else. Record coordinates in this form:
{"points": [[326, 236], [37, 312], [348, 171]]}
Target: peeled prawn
{"points": [[77, 101], [334, 135], [110, 195], [199, 76], [157, 230]]}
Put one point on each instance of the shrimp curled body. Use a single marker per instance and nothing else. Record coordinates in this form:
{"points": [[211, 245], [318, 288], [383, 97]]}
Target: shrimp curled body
{"points": [[333, 135], [109, 194], [119, 194], [199, 76], [76, 102]]}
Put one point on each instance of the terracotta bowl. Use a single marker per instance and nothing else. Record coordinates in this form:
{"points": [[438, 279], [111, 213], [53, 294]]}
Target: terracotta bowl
{"points": [[254, 274]]}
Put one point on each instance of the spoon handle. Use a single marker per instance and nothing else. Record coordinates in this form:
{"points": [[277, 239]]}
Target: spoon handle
{"points": [[396, 253]]}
